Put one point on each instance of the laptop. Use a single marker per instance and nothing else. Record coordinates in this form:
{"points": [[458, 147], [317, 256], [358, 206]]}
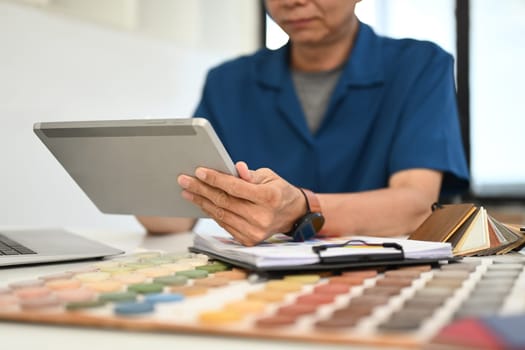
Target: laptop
{"points": [[24, 247]]}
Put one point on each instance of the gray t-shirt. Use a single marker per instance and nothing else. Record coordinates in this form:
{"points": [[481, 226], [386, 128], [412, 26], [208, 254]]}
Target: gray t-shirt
{"points": [[314, 90]]}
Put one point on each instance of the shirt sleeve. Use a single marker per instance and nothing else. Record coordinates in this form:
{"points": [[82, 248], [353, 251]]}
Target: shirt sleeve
{"points": [[429, 134]]}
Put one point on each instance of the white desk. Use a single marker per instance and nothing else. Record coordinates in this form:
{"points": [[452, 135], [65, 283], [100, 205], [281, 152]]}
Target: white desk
{"points": [[34, 336]]}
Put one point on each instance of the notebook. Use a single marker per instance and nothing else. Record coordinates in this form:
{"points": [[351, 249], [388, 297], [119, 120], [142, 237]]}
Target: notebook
{"points": [[23, 247]]}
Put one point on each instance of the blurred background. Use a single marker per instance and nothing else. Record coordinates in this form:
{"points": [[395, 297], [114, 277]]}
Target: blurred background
{"points": [[120, 59]]}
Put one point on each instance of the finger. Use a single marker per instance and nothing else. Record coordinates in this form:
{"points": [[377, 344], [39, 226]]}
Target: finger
{"points": [[232, 185], [214, 195], [218, 213], [243, 236], [233, 223], [261, 176], [253, 176], [243, 171], [238, 235], [254, 217], [246, 216], [195, 186]]}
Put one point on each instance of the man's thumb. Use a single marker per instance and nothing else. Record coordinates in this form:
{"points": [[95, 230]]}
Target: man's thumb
{"points": [[244, 172]]}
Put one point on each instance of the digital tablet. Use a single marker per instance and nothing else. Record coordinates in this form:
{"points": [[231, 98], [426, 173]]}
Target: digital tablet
{"points": [[131, 166]]}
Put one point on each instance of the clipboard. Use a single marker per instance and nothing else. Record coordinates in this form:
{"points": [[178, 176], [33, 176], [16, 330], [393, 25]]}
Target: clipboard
{"points": [[361, 251], [393, 256]]}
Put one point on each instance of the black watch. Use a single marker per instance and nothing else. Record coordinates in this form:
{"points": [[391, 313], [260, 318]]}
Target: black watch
{"points": [[308, 225]]}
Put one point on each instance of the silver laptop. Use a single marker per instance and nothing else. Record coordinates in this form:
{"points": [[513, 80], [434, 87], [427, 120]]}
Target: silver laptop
{"points": [[22, 247]]}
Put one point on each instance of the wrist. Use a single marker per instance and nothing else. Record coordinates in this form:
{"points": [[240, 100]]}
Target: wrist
{"points": [[310, 223], [312, 201]]}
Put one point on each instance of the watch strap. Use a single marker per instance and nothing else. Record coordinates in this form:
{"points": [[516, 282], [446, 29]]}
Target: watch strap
{"points": [[308, 225], [312, 202]]}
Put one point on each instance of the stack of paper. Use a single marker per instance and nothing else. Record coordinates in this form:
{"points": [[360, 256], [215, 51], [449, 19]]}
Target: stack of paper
{"points": [[268, 253], [279, 250], [469, 229]]}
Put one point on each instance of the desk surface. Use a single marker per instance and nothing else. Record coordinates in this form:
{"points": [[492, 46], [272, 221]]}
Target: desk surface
{"points": [[27, 336]]}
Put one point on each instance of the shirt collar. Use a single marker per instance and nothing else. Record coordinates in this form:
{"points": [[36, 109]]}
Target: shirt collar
{"points": [[363, 67]]}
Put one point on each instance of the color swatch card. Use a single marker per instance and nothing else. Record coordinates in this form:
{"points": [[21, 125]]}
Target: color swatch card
{"points": [[469, 229], [459, 305], [489, 333]]}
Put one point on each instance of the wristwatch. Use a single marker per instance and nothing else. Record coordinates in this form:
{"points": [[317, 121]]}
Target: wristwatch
{"points": [[310, 223]]}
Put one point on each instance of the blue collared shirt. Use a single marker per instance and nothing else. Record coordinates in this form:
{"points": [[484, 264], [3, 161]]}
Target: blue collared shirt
{"points": [[393, 108]]}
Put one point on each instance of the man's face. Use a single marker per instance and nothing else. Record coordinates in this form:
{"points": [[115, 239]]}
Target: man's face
{"points": [[313, 22]]}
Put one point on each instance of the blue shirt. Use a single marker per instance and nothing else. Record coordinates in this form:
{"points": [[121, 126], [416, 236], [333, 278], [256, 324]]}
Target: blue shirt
{"points": [[393, 108]]}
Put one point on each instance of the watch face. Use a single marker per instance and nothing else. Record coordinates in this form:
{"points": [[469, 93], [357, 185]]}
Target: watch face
{"points": [[308, 226], [317, 221]]}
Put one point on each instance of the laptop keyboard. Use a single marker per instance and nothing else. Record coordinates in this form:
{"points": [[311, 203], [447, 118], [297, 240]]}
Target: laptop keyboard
{"points": [[10, 247]]}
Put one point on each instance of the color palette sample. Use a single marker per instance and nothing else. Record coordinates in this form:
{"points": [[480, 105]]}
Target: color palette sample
{"points": [[403, 307]]}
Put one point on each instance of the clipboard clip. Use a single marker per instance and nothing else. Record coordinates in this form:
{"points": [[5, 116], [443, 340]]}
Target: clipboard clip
{"points": [[398, 255]]}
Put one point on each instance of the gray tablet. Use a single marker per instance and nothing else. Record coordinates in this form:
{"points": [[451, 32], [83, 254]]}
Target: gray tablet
{"points": [[131, 166]]}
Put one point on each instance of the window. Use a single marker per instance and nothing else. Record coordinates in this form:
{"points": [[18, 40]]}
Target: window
{"points": [[497, 107]]}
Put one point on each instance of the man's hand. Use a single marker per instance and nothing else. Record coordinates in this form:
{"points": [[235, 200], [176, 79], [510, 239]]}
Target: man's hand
{"points": [[252, 207]]}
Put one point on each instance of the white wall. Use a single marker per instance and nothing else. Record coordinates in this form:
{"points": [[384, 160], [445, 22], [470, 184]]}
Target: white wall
{"points": [[58, 67]]}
